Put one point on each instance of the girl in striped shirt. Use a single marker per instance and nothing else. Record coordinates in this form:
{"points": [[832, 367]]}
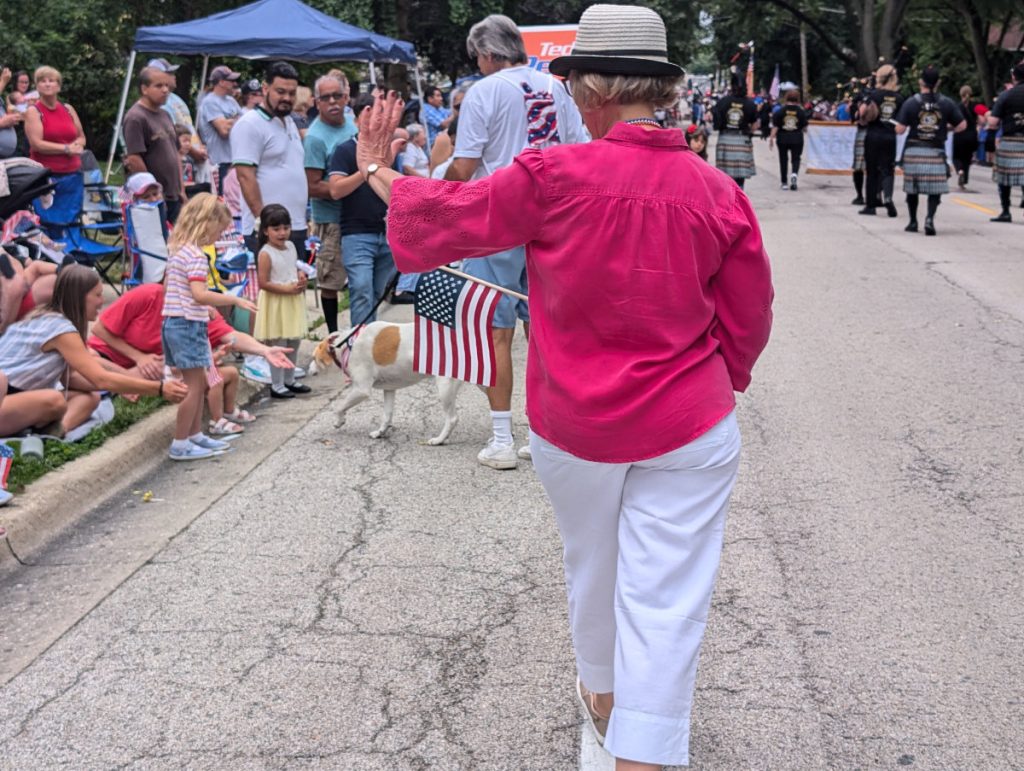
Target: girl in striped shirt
{"points": [[187, 302]]}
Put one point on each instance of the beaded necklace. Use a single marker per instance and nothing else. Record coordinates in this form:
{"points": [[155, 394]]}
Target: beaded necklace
{"points": [[643, 122]]}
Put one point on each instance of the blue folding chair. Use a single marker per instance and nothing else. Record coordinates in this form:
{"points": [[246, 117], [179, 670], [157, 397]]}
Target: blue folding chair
{"points": [[63, 223]]}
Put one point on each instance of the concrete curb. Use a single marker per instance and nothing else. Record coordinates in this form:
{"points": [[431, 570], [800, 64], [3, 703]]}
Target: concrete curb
{"points": [[56, 501]]}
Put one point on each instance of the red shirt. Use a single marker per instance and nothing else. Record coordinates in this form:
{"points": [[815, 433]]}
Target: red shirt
{"points": [[59, 127], [650, 290], [136, 317]]}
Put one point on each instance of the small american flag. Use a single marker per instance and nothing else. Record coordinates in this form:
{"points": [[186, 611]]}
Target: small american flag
{"points": [[453, 328], [6, 460]]}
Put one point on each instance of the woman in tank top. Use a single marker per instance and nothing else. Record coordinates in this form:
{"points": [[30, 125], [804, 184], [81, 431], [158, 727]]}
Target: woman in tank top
{"points": [[53, 129]]}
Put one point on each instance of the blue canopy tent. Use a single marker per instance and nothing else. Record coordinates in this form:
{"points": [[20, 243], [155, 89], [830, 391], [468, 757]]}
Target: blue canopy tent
{"points": [[267, 29]]}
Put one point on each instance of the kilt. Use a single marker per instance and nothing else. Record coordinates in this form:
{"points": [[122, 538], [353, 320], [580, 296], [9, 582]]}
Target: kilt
{"points": [[734, 155], [858, 149], [1009, 168], [925, 171]]}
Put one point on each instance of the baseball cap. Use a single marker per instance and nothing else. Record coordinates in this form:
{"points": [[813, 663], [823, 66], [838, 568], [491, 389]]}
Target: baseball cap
{"points": [[163, 65], [252, 86], [223, 72], [139, 183]]}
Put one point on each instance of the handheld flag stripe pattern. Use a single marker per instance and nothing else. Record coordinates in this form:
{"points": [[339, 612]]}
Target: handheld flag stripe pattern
{"points": [[453, 328]]}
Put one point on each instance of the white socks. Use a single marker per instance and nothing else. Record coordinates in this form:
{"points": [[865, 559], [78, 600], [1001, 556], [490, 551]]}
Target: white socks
{"points": [[501, 423]]}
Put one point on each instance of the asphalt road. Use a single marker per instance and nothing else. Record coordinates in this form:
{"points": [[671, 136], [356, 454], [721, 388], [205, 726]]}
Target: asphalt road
{"points": [[324, 600]]}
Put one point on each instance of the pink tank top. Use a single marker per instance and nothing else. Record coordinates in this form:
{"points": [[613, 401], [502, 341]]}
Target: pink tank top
{"points": [[59, 127]]}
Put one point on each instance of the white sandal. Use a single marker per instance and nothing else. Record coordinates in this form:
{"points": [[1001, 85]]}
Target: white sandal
{"points": [[598, 722], [225, 427], [240, 416]]}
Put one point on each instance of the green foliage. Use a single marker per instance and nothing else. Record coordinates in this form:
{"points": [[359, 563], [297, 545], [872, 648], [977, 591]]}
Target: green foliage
{"points": [[27, 470]]}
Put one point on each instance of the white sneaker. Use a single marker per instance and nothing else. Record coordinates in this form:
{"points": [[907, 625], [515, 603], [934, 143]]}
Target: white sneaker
{"points": [[524, 453], [257, 370], [499, 456], [792, 181], [299, 372], [208, 443], [190, 452], [784, 186]]}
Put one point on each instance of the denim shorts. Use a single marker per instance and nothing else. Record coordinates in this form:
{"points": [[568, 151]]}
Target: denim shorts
{"points": [[508, 270], [186, 345]]}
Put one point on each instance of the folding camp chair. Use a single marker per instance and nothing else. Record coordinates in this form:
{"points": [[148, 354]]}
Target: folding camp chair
{"points": [[145, 229], [63, 222]]}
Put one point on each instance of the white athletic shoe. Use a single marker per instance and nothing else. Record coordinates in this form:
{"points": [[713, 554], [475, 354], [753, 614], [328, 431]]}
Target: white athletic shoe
{"points": [[190, 452], [299, 372], [784, 186], [256, 369], [498, 456], [524, 453], [792, 181]]}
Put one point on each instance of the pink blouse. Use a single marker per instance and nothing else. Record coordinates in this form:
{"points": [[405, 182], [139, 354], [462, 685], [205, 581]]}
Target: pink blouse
{"points": [[650, 290]]}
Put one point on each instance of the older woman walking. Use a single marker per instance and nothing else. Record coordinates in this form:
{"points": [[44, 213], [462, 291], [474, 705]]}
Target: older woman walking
{"points": [[650, 294]]}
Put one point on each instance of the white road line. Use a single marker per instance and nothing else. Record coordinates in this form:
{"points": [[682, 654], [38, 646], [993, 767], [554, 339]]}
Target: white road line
{"points": [[592, 755]]}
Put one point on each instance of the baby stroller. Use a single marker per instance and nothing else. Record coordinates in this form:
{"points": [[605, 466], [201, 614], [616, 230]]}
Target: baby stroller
{"points": [[21, 181]]}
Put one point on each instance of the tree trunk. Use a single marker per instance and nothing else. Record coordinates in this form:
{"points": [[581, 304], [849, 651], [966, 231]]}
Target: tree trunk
{"points": [[868, 47], [979, 45], [892, 18]]}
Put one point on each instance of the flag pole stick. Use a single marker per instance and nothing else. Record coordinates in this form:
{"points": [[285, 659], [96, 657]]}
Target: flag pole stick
{"points": [[468, 277]]}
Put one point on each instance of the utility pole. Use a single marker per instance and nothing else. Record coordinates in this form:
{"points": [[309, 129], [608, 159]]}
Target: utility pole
{"points": [[805, 86]]}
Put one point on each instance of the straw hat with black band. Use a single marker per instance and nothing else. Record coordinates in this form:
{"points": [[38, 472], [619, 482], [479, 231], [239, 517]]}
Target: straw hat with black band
{"points": [[619, 40]]}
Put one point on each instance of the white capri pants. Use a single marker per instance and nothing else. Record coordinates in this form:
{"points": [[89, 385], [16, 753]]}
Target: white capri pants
{"points": [[642, 543]]}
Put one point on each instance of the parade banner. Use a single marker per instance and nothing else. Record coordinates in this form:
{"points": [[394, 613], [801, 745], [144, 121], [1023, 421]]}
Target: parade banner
{"points": [[548, 42], [828, 147]]}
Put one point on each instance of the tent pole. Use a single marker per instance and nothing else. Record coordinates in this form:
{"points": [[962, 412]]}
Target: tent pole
{"points": [[419, 92], [373, 75], [120, 115], [202, 84]]}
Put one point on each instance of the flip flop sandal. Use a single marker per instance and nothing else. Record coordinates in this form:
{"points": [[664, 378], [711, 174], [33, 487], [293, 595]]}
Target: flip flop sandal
{"points": [[598, 722], [240, 416], [225, 427]]}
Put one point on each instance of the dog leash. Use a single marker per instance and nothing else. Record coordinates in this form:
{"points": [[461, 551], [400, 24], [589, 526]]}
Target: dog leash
{"points": [[387, 290]]}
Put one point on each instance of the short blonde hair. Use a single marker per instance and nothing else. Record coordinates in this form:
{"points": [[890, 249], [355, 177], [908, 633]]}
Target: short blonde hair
{"points": [[197, 216], [593, 89], [886, 75], [47, 72]]}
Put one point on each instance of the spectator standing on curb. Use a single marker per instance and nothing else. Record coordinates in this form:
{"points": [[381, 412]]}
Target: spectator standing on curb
{"points": [[8, 120], [251, 94], [415, 161], [217, 115], [513, 108], [1008, 113], [364, 243], [184, 337], [266, 151], [151, 143], [52, 127], [443, 146], [435, 114], [329, 129]]}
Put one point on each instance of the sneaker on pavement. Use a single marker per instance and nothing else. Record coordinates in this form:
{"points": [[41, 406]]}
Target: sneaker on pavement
{"points": [[257, 370], [208, 443], [792, 181], [299, 372], [498, 456], [191, 451], [524, 453]]}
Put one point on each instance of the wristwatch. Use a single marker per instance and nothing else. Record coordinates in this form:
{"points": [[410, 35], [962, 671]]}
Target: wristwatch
{"points": [[372, 169]]}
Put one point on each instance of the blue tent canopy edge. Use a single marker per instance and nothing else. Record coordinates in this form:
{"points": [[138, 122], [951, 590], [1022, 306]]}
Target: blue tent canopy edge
{"points": [[274, 29]]}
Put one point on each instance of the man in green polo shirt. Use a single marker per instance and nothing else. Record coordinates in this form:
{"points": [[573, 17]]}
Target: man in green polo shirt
{"points": [[330, 128]]}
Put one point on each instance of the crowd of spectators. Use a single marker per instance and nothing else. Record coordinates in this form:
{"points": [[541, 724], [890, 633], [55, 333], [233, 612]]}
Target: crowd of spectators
{"points": [[279, 158]]}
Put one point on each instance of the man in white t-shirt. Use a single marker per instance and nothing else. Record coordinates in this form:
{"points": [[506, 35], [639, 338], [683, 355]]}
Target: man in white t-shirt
{"points": [[266, 151], [513, 108]]}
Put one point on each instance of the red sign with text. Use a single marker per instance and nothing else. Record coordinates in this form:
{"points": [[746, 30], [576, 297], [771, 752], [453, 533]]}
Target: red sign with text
{"points": [[546, 43]]}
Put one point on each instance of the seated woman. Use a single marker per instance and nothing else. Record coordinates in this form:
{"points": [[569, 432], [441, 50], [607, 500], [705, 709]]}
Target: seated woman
{"points": [[128, 334], [48, 348], [30, 286]]}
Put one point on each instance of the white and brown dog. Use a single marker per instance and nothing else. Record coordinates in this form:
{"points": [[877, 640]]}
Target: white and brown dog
{"points": [[380, 356]]}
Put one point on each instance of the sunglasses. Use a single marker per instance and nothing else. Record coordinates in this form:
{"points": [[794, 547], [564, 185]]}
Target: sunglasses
{"points": [[332, 97]]}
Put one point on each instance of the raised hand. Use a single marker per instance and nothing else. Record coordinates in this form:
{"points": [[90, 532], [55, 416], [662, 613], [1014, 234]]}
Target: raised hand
{"points": [[377, 126]]}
